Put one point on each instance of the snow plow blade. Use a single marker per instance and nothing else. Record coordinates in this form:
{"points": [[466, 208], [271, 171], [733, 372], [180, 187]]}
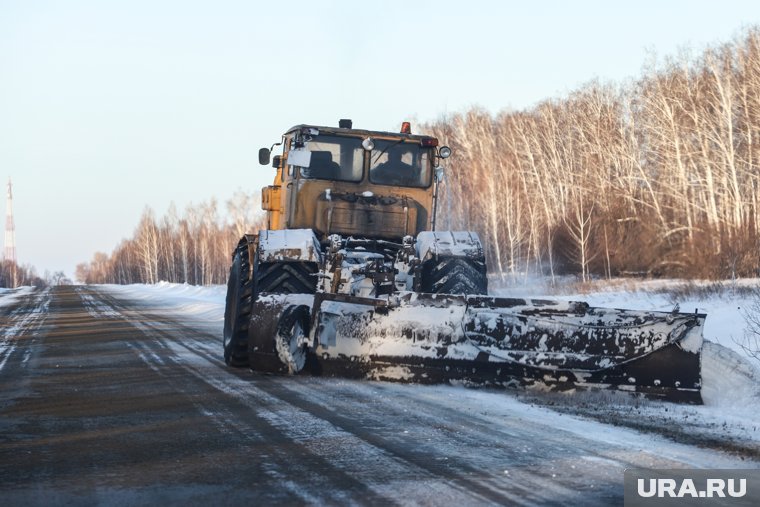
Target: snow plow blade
{"points": [[429, 338]]}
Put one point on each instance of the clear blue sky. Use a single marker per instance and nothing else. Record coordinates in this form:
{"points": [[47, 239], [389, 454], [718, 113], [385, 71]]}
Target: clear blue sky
{"points": [[109, 106]]}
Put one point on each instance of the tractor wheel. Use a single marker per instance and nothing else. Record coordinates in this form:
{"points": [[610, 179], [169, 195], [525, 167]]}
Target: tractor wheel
{"points": [[286, 277], [237, 312], [270, 340], [454, 275], [292, 340]]}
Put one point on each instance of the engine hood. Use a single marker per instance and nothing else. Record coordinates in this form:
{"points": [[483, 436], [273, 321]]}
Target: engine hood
{"points": [[367, 214]]}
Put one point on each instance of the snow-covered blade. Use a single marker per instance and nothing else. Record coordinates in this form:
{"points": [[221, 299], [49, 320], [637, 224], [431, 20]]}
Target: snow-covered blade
{"points": [[572, 335], [503, 341]]}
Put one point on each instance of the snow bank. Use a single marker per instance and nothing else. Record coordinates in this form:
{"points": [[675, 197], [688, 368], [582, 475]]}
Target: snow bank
{"points": [[10, 296], [729, 380], [202, 305]]}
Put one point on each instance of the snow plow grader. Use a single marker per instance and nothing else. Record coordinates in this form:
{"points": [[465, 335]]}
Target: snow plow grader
{"points": [[351, 278]]}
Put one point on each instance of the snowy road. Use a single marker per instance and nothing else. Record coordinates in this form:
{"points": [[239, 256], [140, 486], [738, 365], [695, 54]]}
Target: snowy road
{"points": [[104, 399]]}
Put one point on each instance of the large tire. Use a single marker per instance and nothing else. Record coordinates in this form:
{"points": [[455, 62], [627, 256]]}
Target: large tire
{"points": [[286, 277], [237, 311], [292, 338], [270, 331], [454, 275], [245, 283]]}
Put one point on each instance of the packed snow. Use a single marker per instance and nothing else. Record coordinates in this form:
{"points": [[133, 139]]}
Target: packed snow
{"points": [[730, 374], [20, 319], [202, 305], [11, 296]]}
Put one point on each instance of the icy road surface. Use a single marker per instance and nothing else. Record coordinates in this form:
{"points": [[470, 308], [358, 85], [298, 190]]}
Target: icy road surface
{"points": [[113, 395]]}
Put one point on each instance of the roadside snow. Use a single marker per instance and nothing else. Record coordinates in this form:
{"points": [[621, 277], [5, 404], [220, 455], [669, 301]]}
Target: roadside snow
{"points": [[10, 296], [202, 305], [20, 319]]}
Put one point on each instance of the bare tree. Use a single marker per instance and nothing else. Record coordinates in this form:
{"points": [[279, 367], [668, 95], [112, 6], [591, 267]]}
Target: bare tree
{"points": [[192, 248]]}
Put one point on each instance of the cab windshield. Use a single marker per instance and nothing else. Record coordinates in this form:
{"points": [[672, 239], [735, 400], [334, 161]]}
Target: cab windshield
{"points": [[393, 162], [335, 158], [399, 163]]}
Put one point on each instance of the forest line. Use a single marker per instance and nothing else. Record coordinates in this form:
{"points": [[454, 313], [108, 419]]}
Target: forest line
{"points": [[192, 247], [657, 177]]}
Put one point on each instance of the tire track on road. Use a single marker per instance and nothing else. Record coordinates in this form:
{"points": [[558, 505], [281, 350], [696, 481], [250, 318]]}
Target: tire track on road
{"points": [[250, 422], [24, 319], [97, 424]]}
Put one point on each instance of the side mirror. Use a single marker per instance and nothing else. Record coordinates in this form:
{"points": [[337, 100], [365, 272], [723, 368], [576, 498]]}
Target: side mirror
{"points": [[264, 156], [444, 152], [276, 161], [439, 174]]}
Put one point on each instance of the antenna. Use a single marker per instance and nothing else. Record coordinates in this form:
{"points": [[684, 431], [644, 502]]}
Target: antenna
{"points": [[10, 234]]}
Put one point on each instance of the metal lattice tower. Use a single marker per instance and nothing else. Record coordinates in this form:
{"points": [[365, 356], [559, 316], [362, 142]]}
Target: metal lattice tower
{"points": [[10, 229]]}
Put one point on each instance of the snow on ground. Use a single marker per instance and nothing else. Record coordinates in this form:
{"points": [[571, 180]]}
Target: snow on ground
{"points": [[202, 305], [19, 319], [10, 296], [731, 378], [481, 403]]}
